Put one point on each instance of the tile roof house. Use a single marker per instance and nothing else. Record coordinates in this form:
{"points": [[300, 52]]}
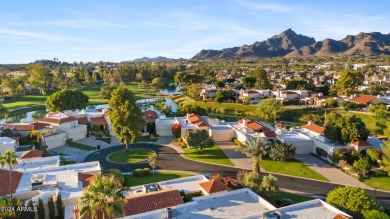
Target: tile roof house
{"points": [[213, 186], [363, 100], [98, 121], [5, 180], [150, 116], [86, 178], [32, 154], [360, 145], [26, 126], [83, 121], [197, 120], [311, 127], [152, 201]]}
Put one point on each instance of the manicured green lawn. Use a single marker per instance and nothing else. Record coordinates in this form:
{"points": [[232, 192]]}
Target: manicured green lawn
{"points": [[94, 96], [157, 177], [381, 182], [81, 146], [212, 155], [147, 139], [107, 140], [286, 195], [26, 101], [367, 119], [136, 155], [290, 166]]}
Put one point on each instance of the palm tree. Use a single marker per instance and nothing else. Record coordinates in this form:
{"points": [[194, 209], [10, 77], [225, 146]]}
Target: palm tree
{"points": [[9, 159], [102, 196], [40, 136], [255, 149]]}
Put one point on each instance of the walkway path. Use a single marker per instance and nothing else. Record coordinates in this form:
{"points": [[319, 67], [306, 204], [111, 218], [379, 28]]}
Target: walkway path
{"points": [[239, 160], [328, 171]]}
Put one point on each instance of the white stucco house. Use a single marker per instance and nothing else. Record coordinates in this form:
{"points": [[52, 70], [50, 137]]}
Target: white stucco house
{"points": [[7, 143]]}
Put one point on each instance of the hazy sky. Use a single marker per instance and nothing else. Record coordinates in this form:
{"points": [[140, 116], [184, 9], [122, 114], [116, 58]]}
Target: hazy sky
{"points": [[123, 30]]}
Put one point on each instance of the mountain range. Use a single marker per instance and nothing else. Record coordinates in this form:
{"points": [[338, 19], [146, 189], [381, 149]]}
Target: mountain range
{"points": [[292, 45], [156, 59]]}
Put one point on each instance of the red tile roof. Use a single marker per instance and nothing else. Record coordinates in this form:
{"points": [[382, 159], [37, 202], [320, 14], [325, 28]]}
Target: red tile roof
{"points": [[256, 126], [26, 126], [361, 143], [86, 178], [53, 120], [197, 120], [269, 134], [363, 99], [83, 121], [98, 121], [251, 92], [31, 154], [314, 128], [213, 186], [4, 185], [152, 201], [150, 116], [340, 216]]}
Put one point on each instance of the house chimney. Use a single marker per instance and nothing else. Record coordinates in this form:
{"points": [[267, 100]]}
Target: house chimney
{"points": [[244, 122], [379, 97], [351, 96], [310, 122], [188, 116], [354, 95]]}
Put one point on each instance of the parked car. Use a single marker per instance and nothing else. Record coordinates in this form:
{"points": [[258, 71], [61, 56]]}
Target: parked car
{"points": [[283, 202]]}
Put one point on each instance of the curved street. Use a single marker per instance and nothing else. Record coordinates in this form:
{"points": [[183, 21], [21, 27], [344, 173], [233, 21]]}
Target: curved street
{"points": [[169, 159]]}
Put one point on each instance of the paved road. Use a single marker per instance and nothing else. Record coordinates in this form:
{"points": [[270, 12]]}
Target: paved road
{"points": [[169, 159]]}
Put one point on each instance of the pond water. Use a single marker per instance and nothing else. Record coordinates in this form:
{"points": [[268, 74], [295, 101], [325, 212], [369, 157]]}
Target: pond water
{"points": [[35, 115], [172, 90]]}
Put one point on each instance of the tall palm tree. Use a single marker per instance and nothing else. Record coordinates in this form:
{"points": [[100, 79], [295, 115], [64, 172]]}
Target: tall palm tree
{"points": [[40, 136], [9, 159], [254, 148], [102, 196]]}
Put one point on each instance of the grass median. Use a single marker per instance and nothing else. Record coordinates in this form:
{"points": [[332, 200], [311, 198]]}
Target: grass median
{"points": [[291, 167], [136, 155], [81, 146], [211, 155], [157, 177]]}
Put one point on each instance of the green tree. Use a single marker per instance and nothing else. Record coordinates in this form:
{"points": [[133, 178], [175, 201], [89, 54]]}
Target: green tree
{"points": [[40, 209], [106, 91], [144, 85], [311, 117], [88, 80], [386, 157], [218, 96], [152, 159], [40, 136], [6, 203], [3, 111], [281, 150], [9, 159], [262, 80], [352, 200], [381, 116], [252, 180], [179, 78], [200, 139], [344, 129], [39, 76], [330, 102], [219, 84], [268, 109], [66, 100], [191, 108], [50, 205], [269, 186], [255, 149], [347, 83], [362, 166], [125, 116], [60, 206], [193, 91], [157, 84], [374, 214], [248, 82], [375, 155], [30, 214], [337, 156], [102, 196]]}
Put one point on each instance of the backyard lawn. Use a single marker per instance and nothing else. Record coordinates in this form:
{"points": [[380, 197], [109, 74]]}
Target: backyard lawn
{"points": [[291, 167], [211, 155], [157, 177], [136, 155], [381, 182], [286, 195], [81, 146]]}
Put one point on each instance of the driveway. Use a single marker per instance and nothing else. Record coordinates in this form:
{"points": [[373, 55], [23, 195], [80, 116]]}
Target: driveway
{"points": [[328, 171], [169, 159], [239, 160]]}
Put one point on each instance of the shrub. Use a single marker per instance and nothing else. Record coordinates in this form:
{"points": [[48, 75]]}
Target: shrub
{"points": [[50, 204], [137, 172], [146, 171], [188, 197], [60, 206], [321, 152], [40, 209], [375, 155], [69, 141], [237, 142], [337, 156], [352, 156]]}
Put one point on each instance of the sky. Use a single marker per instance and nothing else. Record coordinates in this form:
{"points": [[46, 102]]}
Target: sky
{"points": [[124, 30]]}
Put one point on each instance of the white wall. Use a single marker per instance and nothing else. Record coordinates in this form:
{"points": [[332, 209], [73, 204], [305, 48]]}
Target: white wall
{"points": [[7, 146], [54, 141], [222, 135], [77, 133]]}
